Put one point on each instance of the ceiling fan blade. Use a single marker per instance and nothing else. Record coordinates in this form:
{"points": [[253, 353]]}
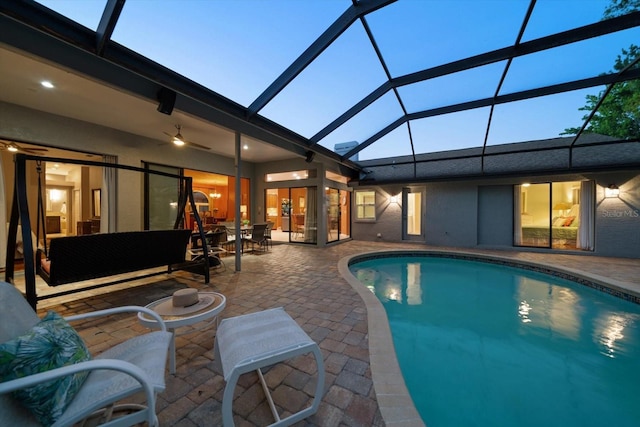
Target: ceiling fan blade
{"points": [[193, 144], [19, 148], [197, 145], [32, 151]]}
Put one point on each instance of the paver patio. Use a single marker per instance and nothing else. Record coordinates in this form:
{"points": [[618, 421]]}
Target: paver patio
{"points": [[305, 281]]}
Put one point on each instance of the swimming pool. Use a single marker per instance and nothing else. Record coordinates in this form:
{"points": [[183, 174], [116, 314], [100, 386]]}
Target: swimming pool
{"points": [[491, 345]]}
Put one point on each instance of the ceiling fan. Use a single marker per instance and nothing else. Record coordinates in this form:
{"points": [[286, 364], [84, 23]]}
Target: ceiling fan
{"points": [[14, 148], [179, 140]]}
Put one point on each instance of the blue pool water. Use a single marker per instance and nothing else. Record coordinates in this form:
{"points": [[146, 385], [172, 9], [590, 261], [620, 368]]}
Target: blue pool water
{"points": [[482, 344]]}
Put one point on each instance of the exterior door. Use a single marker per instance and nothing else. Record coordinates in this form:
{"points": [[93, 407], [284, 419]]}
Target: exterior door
{"points": [[413, 206]]}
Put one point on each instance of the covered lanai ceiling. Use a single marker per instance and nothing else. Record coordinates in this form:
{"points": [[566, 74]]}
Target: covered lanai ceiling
{"points": [[393, 78]]}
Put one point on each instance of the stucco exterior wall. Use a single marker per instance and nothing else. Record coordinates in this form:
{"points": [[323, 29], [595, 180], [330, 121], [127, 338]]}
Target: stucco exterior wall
{"points": [[388, 223], [480, 214], [451, 214], [618, 218], [495, 215]]}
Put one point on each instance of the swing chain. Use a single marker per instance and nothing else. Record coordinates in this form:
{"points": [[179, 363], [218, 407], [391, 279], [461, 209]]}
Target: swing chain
{"points": [[40, 218]]}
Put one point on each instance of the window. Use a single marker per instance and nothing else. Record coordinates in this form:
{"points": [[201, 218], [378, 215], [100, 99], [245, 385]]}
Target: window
{"points": [[336, 177], [289, 176], [365, 205]]}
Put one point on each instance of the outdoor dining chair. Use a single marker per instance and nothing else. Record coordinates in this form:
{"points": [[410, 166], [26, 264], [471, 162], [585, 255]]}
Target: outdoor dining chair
{"points": [[258, 236]]}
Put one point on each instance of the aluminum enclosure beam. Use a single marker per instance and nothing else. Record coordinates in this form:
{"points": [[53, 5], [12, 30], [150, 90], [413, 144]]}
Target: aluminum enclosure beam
{"points": [[502, 99], [340, 25], [31, 28], [578, 34]]}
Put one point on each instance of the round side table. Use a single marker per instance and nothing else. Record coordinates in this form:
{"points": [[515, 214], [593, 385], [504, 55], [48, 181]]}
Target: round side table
{"points": [[209, 313]]}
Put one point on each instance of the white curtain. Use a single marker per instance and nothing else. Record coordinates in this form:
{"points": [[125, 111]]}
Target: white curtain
{"points": [[3, 220], [587, 216], [517, 214], [311, 216], [108, 197]]}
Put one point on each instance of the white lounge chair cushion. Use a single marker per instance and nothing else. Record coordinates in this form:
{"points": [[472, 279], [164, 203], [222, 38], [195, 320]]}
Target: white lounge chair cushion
{"points": [[148, 352], [242, 340]]}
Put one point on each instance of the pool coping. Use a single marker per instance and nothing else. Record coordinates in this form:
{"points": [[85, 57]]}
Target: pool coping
{"points": [[394, 400]]}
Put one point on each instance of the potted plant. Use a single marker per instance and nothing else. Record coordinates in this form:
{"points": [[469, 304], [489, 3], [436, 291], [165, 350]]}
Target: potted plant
{"points": [[286, 207]]}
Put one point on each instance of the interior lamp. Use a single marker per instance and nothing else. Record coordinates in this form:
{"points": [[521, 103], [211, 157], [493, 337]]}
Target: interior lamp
{"points": [[243, 210], [562, 207], [612, 191]]}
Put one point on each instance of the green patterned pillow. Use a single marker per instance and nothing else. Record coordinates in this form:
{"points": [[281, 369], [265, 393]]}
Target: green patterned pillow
{"points": [[51, 343]]}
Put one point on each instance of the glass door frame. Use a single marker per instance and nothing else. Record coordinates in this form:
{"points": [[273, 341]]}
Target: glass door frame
{"points": [[338, 202], [149, 208], [406, 206]]}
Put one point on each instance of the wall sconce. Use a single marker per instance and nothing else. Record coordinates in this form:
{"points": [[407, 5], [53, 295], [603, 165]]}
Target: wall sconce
{"points": [[393, 199], [612, 191]]}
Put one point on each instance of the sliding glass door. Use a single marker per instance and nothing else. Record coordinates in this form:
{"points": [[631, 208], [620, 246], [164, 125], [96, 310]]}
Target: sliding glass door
{"points": [[303, 215], [293, 211], [557, 215], [161, 201], [338, 214]]}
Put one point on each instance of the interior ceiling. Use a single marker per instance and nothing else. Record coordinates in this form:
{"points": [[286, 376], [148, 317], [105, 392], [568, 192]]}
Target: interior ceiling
{"points": [[206, 179], [83, 99]]}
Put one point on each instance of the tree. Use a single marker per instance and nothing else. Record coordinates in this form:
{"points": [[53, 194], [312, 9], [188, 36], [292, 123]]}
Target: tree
{"points": [[621, 7], [619, 113]]}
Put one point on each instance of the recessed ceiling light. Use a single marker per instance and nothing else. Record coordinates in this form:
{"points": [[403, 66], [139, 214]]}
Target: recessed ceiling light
{"points": [[47, 84]]}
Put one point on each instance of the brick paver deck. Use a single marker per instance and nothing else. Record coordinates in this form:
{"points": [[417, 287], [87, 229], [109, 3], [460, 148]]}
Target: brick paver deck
{"points": [[305, 281]]}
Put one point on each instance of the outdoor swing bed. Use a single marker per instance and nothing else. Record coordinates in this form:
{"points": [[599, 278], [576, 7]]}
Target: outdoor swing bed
{"points": [[77, 258]]}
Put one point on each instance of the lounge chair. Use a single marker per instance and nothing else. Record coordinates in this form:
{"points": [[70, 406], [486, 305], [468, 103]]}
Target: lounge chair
{"points": [[93, 384]]}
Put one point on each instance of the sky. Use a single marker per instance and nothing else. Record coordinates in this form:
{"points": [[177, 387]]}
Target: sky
{"points": [[238, 47]]}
